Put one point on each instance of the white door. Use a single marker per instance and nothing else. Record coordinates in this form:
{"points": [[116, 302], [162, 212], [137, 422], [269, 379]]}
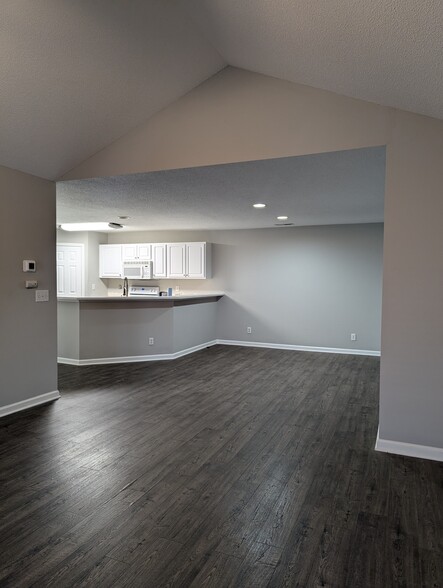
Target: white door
{"points": [[70, 271], [159, 260], [110, 261], [176, 260], [195, 257]]}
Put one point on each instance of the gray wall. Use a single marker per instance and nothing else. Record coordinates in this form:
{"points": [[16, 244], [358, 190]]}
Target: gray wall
{"points": [[121, 332], [299, 286], [194, 325], [68, 330], [411, 398], [28, 341]]}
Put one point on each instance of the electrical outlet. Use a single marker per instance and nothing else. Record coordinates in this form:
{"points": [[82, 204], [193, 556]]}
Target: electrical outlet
{"points": [[42, 295], [151, 340], [92, 286], [353, 337], [177, 289], [249, 330]]}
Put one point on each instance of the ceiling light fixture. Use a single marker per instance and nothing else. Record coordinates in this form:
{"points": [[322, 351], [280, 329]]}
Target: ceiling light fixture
{"points": [[259, 205], [282, 218], [89, 226]]}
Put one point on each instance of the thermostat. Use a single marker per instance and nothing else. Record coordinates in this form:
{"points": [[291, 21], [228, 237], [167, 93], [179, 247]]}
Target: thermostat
{"points": [[29, 265]]}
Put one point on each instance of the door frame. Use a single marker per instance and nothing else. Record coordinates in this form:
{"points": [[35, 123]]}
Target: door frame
{"points": [[82, 257]]}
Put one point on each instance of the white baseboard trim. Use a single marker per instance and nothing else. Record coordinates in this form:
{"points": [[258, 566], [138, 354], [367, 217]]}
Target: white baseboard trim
{"points": [[299, 347], [136, 358], [409, 449], [29, 403], [176, 355]]}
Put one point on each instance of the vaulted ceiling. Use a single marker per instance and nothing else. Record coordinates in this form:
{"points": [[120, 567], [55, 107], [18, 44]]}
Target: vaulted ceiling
{"points": [[384, 51], [75, 76]]}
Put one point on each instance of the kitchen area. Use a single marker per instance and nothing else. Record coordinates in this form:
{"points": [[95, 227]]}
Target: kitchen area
{"points": [[154, 265], [129, 313]]}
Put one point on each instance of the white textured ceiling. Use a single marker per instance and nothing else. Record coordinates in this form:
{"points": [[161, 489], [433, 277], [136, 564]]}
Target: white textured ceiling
{"points": [[77, 74], [384, 51], [328, 188]]}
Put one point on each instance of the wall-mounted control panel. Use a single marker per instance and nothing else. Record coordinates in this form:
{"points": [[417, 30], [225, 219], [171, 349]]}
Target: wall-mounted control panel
{"points": [[29, 265]]}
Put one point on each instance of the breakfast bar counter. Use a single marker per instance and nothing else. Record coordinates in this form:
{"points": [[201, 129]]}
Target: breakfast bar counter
{"points": [[117, 329]]}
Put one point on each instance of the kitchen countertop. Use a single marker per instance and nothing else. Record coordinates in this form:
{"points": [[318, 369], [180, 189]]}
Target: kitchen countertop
{"points": [[177, 298]]}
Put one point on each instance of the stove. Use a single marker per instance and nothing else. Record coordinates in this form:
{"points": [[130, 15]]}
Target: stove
{"points": [[144, 291]]}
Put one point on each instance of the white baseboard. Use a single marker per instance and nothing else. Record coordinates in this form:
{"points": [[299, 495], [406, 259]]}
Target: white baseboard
{"points": [[408, 449], [29, 403], [168, 356], [136, 358], [300, 347]]}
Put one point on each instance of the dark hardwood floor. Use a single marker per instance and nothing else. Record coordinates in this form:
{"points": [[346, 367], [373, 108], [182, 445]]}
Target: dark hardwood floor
{"points": [[231, 467]]}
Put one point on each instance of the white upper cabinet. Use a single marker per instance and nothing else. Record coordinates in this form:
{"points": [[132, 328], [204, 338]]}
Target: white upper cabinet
{"points": [[110, 261], [170, 260], [159, 260], [196, 260], [136, 251], [176, 260], [188, 260]]}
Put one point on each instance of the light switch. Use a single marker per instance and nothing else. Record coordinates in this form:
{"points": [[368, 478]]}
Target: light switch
{"points": [[42, 295]]}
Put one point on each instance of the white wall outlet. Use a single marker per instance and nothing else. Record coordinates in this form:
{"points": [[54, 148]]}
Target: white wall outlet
{"points": [[31, 284], [151, 341], [42, 295], [353, 336], [177, 289], [92, 286], [249, 330]]}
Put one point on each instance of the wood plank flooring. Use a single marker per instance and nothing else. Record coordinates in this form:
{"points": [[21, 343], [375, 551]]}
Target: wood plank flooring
{"points": [[231, 467]]}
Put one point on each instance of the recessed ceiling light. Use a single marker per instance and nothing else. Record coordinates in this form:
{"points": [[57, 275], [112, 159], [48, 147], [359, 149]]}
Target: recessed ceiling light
{"points": [[259, 205], [282, 218], [123, 217]]}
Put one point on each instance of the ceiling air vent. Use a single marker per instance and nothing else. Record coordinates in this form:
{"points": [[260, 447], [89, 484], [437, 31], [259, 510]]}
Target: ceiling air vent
{"points": [[284, 225]]}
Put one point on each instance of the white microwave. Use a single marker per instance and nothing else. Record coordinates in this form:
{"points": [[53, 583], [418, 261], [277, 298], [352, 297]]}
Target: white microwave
{"points": [[137, 270]]}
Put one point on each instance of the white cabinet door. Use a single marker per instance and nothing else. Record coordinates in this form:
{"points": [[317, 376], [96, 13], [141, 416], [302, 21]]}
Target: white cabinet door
{"points": [[144, 251], [129, 252], [159, 260], [70, 280], [187, 260], [135, 251], [196, 260], [176, 260], [110, 261]]}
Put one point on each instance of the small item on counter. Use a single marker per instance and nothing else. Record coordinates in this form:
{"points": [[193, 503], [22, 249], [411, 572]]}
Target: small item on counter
{"points": [[163, 293], [169, 291]]}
